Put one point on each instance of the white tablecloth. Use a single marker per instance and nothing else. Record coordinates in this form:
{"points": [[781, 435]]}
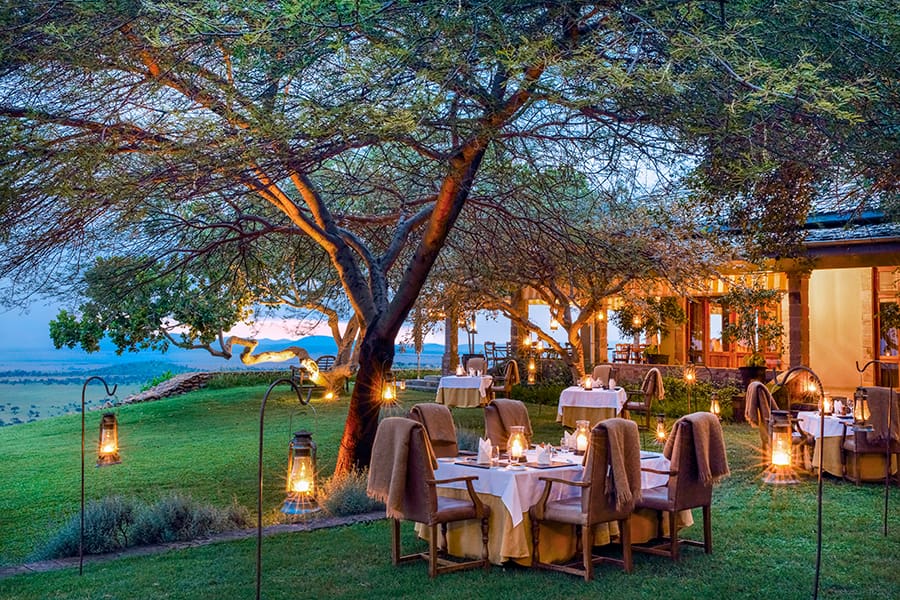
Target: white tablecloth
{"points": [[580, 397], [478, 383], [521, 489], [810, 422]]}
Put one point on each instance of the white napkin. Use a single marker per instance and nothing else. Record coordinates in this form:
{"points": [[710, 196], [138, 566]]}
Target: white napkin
{"points": [[612, 383], [486, 382], [543, 457], [569, 440], [484, 451]]}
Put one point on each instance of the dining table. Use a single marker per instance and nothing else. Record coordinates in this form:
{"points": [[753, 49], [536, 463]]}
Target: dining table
{"points": [[594, 405], [828, 434], [463, 391], [511, 491]]}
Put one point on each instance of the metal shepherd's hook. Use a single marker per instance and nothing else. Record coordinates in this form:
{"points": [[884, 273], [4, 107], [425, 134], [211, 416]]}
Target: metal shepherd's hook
{"points": [[296, 382], [887, 444]]}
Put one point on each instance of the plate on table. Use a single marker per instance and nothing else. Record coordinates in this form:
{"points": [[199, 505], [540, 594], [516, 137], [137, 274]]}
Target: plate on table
{"points": [[446, 459], [552, 465], [516, 467], [471, 462]]}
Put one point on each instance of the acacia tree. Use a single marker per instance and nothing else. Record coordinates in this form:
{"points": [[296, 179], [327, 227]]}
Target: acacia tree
{"points": [[362, 126]]}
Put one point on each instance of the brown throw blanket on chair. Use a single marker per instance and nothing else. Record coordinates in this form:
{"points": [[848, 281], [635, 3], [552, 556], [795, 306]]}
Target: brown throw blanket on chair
{"points": [[879, 400], [390, 458], [709, 446], [623, 485], [653, 384], [513, 412], [437, 420], [759, 404]]}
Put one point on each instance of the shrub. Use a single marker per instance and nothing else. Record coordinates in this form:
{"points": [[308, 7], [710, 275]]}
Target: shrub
{"points": [[467, 439], [115, 522], [233, 379], [106, 527], [346, 495], [178, 518], [162, 377]]}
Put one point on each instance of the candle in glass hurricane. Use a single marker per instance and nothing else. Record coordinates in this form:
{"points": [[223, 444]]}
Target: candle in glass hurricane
{"points": [[516, 443], [582, 436]]}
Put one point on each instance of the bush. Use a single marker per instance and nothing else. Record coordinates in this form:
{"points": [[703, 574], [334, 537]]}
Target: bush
{"points": [[467, 439], [346, 495], [161, 378], [233, 379], [106, 525], [114, 523]]}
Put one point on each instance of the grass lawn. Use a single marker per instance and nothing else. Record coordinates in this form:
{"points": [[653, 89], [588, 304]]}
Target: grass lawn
{"points": [[205, 443]]}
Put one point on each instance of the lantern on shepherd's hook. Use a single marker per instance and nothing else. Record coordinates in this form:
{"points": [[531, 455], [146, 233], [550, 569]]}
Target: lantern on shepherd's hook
{"points": [[714, 406], [108, 447], [661, 434], [301, 475], [388, 388], [781, 469]]}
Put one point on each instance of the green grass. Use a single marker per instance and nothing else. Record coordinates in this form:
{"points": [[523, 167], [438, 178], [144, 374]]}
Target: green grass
{"points": [[204, 444]]}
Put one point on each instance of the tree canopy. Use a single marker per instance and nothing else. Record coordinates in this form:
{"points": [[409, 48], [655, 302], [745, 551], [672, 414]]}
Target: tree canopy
{"points": [[169, 130]]}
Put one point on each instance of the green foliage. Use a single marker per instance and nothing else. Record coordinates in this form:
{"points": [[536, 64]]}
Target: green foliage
{"points": [[346, 495], [467, 439], [233, 379], [755, 324], [541, 393], [162, 377], [889, 319], [114, 523], [652, 317], [106, 525]]}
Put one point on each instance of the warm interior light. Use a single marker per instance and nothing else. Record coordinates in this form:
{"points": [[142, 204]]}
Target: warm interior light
{"points": [[601, 316], [531, 365], [554, 324], [690, 374], [661, 433], [329, 395]]}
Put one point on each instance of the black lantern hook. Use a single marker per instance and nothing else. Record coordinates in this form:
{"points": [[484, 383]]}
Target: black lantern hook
{"points": [[887, 446], [109, 394]]}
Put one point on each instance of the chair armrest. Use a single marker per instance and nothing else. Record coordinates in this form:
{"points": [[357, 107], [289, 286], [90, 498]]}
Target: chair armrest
{"points": [[581, 484], [658, 472], [452, 479], [541, 504]]}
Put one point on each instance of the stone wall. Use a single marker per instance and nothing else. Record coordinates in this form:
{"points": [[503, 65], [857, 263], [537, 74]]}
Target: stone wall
{"points": [[180, 384]]}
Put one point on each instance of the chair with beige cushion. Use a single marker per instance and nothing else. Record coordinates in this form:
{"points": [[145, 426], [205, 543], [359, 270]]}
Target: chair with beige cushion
{"points": [[438, 423], [503, 386], [603, 373], [402, 476], [696, 451], [609, 489], [501, 414], [651, 389], [477, 363], [866, 452]]}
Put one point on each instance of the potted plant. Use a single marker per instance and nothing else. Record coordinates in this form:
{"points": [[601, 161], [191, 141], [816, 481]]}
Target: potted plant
{"points": [[654, 319], [754, 326]]}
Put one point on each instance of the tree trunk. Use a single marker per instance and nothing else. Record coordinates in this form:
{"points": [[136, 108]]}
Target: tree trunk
{"points": [[375, 357]]}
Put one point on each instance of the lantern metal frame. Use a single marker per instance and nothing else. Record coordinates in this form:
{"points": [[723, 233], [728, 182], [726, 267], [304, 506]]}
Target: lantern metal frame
{"points": [[781, 474], [296, 383], [109, 394], [301, 502]]}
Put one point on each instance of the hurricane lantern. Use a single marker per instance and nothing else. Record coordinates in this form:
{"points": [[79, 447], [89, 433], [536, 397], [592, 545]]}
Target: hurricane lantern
{"points": [[301, 475], [860, 407], [554, 324], [516, 443], [661, 433], [587, 382], [388, 388], [108, 448], [401, 385], [532, 377], [714, 406], [827, 405], [781, 470], [690, 374], [582, 436]]}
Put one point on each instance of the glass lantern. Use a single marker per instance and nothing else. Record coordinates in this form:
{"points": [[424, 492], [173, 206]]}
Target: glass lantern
{"points": [[301, 475], [860, 407], [781, 470], [108, 447], [661, 434], [554, 324], [582, 436], [516, 444], [827, 404], [388, 388], [587, 382], [714, 406], [460, 371]]}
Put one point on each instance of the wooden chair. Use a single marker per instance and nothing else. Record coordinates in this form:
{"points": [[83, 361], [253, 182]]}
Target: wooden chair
{"points": [[878, 442], [478, 363], [651, 389], [504, 385], [401, 450], [595, 505], [622, 353], [501, 414], [602, 373], [687, 486], [438, 423]]}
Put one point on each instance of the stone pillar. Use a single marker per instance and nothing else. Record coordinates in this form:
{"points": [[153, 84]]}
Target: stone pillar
{"points": [[798, 318], [601, 340]]}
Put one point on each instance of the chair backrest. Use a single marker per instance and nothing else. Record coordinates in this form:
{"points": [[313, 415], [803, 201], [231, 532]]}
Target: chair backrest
{"points": [[597, 503], [501, 414], [409, 462], [602, 373], [686, 488], [651, 386], [438, 423], [326, 362], [478, 363], [883, 413]]}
